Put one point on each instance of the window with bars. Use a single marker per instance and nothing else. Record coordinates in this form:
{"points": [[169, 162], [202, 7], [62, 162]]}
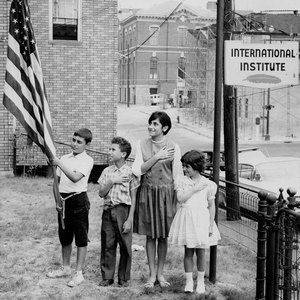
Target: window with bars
{"points": [[66, 19]]}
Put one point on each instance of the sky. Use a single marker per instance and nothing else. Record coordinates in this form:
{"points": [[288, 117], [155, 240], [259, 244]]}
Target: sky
{"points": [[255, 5]]}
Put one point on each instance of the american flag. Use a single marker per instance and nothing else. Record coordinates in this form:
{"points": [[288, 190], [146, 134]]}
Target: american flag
{"points": [[24, 89]]}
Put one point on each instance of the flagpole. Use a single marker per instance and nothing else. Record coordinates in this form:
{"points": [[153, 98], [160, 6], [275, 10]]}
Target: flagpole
{"points": [[58, 200]]}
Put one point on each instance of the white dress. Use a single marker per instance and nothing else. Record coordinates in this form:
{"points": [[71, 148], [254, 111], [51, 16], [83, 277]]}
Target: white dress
{"points": [[190, 226]]}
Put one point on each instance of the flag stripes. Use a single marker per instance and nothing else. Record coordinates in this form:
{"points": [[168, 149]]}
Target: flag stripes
{"points": [[24, 89]]}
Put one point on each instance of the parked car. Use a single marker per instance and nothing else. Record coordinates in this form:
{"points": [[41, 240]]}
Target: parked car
{"points": [[270, 173], [258, 171], [155, 99]]}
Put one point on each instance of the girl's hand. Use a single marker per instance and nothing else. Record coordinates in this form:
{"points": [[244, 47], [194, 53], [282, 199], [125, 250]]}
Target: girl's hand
{"points": [[210, 230], [165, 153], [200, 187]]}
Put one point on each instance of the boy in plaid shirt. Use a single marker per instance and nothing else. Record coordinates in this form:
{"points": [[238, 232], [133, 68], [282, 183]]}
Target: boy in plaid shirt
{"points": [[118, 188]]}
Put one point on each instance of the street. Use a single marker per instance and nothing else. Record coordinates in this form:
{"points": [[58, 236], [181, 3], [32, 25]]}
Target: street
{"points": [[132, 124]]}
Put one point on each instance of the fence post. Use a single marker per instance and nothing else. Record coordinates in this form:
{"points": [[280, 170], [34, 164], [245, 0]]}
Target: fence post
{"points": [[270, 259], [261, 246], [288, 257]]}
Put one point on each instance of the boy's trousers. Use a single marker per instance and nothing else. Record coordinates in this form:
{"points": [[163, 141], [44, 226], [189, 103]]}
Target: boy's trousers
{"points": [[111, 235]]}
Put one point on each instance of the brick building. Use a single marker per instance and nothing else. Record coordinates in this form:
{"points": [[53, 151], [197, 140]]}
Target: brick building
{"points": [[77, 42], [159, 65]]}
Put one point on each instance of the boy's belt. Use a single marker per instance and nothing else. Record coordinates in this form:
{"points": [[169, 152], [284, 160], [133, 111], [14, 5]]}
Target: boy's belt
{"points": [[62, 208]]}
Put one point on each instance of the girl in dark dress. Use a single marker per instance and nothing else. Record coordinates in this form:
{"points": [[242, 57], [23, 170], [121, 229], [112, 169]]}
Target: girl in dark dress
{"points": [[158, 163]]}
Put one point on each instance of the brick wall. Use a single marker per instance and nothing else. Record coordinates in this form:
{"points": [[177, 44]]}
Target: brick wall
{"points": [[80, 78], [168, 50]]}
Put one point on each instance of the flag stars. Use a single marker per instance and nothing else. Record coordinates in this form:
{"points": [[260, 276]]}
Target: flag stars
{"points": [[32, 42], [27, 19], [13, 10], [15, 21], [25, 28], [16, 31], [25, 38]]}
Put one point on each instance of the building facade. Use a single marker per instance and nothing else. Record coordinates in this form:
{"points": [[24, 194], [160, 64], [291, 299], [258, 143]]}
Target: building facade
{"points": [[77, 42], [158, 64]]}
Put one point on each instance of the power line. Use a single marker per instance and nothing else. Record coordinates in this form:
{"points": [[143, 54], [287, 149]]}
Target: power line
{"points": [[159, 26], [251, 94], [260, 23]]}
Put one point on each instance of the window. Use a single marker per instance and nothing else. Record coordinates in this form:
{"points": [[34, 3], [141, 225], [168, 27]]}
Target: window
{"points": [[181, 67], [246, 171], [154, 38], [153, 67], [65, 20], [182, 35]]}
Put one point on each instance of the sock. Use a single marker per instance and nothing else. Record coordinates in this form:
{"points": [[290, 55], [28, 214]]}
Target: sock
{"points": [[200, 277], [189, 285], [67, 267]]}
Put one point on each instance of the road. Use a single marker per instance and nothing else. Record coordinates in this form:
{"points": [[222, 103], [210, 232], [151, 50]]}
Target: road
{"points": [[132, 124]]}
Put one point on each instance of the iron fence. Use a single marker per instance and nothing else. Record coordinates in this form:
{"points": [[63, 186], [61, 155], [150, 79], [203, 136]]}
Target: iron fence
{"points": [[270, 227]]}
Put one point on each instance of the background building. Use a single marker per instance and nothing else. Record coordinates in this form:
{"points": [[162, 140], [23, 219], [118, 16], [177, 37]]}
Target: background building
{"points": [[158, 66], [77, 42]]}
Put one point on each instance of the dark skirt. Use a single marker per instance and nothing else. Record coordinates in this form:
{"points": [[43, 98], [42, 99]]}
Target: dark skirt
{"points": [[155, 210]]}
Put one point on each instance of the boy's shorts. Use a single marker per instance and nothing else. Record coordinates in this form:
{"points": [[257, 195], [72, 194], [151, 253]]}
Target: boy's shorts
{"points": [[76, 220]]}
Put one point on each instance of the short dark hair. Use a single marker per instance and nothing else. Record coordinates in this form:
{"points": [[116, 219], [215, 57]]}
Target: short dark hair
{"points": [[195, 159], [84, 133], [123, 144], [163, 118]]}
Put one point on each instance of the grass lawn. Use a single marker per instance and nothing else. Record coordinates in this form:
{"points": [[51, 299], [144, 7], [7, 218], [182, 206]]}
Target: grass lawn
{"points": [[29, 248]]}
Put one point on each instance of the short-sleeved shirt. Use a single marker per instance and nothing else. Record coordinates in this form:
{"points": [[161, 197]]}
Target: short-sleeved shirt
{"points": [[81, 163], [120, 192]]}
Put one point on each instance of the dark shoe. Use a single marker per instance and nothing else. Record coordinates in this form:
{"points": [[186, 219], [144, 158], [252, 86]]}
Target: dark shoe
{"points": [[106, 282], [123, 283]]}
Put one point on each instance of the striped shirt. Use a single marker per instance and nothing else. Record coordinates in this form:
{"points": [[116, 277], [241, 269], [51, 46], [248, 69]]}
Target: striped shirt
{"points": [[120, 192]]}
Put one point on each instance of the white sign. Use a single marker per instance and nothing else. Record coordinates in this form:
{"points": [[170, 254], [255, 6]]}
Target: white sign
{"points": [[261, 65]]}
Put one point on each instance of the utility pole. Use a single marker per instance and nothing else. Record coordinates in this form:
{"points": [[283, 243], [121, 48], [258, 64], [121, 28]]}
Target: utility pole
{"points": [[263, 113], [128, 77], [268, 108], [217, 125], [288, 111], [230, 133]]}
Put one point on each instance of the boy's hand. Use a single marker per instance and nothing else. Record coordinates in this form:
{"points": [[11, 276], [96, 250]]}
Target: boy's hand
{"points": [[119, 179], [165, 153], [127, 226]]}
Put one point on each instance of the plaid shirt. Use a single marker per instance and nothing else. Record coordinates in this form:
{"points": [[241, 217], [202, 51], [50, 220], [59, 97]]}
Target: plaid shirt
{"points": [[119, 193]]}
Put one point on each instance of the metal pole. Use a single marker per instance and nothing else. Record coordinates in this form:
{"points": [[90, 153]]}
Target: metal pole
{"points": [[271, 246], [217, 124], [267, 136], [231, 168], [288, 257], [288, 111], [236, 133], [263, 113], [261, 246], [128, 78]]}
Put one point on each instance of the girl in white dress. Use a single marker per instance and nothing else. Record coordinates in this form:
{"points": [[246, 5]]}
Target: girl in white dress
{"points": [[193, 225]]}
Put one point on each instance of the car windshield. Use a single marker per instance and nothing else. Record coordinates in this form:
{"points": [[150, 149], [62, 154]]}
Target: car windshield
{"points": [[279, 169]]}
